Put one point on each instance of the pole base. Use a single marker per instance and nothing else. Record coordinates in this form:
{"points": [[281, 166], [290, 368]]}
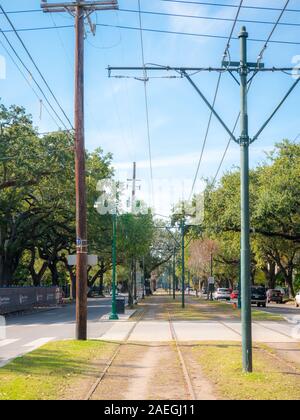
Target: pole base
{"points": [[113, 317]]}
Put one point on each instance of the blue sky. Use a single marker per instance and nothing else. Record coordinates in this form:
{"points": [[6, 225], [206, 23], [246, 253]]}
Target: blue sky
{"points": [[115, 108]]}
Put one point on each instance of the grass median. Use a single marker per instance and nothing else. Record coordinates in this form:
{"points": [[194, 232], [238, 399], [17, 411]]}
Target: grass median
{"points": [[59, 370], [272, 379], [202, 310]]}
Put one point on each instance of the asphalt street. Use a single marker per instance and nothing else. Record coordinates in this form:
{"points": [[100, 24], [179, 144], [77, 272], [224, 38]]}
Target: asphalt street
{"points": [[25, 333], [287, 311]]}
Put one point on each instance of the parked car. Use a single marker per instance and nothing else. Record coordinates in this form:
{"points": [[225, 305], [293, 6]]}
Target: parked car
{"points": [[298, 300], [274, 295], [222, 294], [258, 296], [234, 295]]}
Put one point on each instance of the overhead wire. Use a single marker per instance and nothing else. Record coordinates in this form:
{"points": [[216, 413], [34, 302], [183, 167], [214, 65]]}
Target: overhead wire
{"points": [[189, 2], [36, 66], [226, 54], [34, 80], [29, 84], [145, 80], [152, 30], [259, 59], [215, 4]]}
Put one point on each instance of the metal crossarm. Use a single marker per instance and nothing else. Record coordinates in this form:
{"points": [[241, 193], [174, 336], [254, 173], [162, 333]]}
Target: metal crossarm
{"points": [[243, 68], [276, 110], [211, 108], [230, 65], [71, 6]]}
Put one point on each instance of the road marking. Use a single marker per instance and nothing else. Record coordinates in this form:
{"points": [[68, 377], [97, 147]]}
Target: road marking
{"points": [[38, 343], [7, 342]]}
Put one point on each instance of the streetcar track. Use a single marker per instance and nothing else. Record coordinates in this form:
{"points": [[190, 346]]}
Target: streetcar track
{"points": [[182, 361], [272, 329], [96, 384], [268, 350], [109, 364]]}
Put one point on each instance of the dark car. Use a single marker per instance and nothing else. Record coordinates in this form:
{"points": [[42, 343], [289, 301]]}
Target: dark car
{"points": [[274, 295], [258, 296]]}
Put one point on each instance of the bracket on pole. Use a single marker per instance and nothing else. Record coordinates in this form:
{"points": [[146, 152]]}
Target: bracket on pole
{"points": [[211, 107], [232, 65]]}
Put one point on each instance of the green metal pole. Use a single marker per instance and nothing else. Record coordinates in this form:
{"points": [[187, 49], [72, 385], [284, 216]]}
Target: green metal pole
{"points": [[170, 278], [245, 216], [183, 262], [144, 279], [174, 274], [239, 288], [114, 315]]}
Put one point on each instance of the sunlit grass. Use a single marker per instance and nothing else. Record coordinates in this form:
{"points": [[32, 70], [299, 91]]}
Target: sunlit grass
{"points": [[49, 372], [271, 379]]}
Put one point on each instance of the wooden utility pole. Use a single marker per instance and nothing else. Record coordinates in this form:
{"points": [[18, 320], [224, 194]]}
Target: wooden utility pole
{"points": [[81, 10], [81, 216]]}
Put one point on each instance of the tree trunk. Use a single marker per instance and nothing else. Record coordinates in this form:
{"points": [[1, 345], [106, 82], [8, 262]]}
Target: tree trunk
{"points": [[270, 273], [130, 287], [101, 278], [36, 276], [7, 270], [54, 273], [289, 282]]}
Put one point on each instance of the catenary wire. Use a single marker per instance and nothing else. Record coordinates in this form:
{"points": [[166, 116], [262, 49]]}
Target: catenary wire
{"points": [[152, 30], [259, 59], [36, 66], [215, 4], [226, 52], [146, 101], [29, 84], [34, 79]]}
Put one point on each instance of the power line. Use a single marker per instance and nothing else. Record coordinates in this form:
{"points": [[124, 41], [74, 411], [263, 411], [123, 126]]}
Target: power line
{"points": [[33, 78], [27, 81], [213, 18], [186, 16], [16, 12], [260, 57], [36, 67], [213, 36], [146, 101], [160, 31], [195, 3], [226, 52], [273, 30], [205, 3]]}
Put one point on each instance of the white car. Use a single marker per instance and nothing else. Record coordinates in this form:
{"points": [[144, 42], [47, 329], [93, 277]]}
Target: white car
{"points": [[298, 300], [222, 294]]}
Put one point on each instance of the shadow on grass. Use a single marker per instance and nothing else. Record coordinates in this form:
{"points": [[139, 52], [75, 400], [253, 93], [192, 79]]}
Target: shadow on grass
{"points": [[58, 363]]}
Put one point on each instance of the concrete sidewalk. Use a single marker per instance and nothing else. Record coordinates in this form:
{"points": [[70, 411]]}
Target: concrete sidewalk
{"points": [[194, 331]]}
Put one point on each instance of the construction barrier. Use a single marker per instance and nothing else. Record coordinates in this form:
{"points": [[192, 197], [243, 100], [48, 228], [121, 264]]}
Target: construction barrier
{"points": [[16, 299]]}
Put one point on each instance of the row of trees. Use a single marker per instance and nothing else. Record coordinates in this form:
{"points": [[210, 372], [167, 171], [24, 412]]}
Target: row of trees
{"points": [[37, 217], [37, 210], [275, 224]]}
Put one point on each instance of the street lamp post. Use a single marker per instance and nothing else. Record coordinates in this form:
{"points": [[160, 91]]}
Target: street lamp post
{"points": [[183, 261], [144, 279], [174, 273]]}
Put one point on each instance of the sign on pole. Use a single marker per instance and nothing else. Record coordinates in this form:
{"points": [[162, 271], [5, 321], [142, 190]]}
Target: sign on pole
{"points": [[92, 260]]}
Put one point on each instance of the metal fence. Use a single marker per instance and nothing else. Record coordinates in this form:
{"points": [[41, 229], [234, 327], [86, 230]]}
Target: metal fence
{"points": [[21, 298]]}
